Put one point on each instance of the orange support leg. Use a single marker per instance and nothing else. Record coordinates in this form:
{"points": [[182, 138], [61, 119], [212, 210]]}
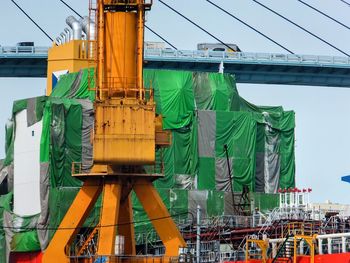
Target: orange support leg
{"points": [[109, 216], [160, 217], [74, 218], [126, 227]]}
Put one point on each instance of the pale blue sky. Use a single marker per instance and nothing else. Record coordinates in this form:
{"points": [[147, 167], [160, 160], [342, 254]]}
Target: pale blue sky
{"points": [[322, 114]]}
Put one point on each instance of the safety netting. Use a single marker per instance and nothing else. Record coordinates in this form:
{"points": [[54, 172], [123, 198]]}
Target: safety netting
{"points": [[218, 140]]}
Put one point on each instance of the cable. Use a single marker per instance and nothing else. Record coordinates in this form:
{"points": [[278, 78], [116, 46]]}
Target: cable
{"points": [[244, 23], [345, 2], [42, 30], [69, 228], [195, 24], [302, 28], [322, 13], [71, 8], [160, 37], [67, 5]]}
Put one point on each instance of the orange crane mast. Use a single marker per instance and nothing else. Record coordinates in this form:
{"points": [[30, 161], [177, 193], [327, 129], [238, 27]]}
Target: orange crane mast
{"points": [[126, 134]]}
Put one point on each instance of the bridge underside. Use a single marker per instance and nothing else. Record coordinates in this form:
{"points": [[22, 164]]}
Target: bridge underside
{"points": [[23, 67], [253, 73]]}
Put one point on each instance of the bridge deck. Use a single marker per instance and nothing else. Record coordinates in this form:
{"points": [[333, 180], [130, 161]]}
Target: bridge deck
{"points": [[257, 68]]}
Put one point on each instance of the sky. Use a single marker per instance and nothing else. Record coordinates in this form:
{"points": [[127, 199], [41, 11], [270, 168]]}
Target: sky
{"points": [[322, 114]]}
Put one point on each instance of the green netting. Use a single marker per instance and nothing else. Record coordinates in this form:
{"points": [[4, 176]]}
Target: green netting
{"points": [[76, 85], [287, 175], [215, 91], [265, 202], [141, 221], [175, 96], [66, 127], [60, 199], [5, 205], [247, 130], [215, 203], [238, 131], [181, 158], [206, 173], [25, 240]]}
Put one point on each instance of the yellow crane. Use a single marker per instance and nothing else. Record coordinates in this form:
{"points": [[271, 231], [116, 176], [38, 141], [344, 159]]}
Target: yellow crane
{"points": [[126, 133]]}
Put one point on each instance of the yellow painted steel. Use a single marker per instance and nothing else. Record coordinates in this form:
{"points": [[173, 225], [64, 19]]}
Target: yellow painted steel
{"points": [[159, 216], [119, 61], [75, 217], [71, 56], [262, 244], [126, 132], [125, 228], [310, 240], [109, 216]]}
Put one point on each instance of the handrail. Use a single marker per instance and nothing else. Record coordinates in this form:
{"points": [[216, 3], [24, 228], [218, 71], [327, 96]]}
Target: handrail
{"points": [[223, 56], [280, 248], [25, 50], [213, 56]]}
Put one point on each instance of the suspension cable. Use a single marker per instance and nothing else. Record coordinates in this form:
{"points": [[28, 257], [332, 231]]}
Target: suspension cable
{"points": [[251, 27], [302, 28], [347, 3], [162, 38], [158, 35], [195, 24], [42, 30], [67, 5], [324, 14]]}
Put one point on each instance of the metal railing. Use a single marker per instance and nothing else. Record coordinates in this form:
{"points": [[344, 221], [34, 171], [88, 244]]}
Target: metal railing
{"points": [[131, 259], [248, 57], [25, 50], [206, 55]]}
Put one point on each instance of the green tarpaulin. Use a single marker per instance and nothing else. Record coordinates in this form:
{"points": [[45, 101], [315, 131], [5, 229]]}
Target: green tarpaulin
{"points": [[204, 113]]}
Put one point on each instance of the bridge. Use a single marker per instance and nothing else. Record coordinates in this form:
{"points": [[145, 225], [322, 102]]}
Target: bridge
{"points": [[256, 68]]}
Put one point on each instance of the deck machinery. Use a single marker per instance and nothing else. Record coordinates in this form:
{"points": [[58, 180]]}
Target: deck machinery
{"points": [[126, 134]]}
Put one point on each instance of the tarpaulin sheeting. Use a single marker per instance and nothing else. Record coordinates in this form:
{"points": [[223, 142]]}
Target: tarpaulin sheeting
{"points": [[203, 111]]}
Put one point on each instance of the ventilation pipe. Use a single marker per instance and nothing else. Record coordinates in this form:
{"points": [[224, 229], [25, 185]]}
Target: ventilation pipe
{"points": [[75, 26], [68, 34], [63, 36], [88, 28], [58, 41]]}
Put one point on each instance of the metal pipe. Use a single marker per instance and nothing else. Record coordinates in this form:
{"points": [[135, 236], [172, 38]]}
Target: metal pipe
{"points": [[230, 177], [139, 48], [343, 244], [337, 235], [329, 243], [68, 34], [88, 28], [75, 26], [90, 33], [100, 51], [58, 41], [198, 243], [63, 36], [320, 248]]}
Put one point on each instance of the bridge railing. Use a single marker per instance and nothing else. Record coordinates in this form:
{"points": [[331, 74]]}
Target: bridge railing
{"points": [[23, 50], [247, 56]]}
